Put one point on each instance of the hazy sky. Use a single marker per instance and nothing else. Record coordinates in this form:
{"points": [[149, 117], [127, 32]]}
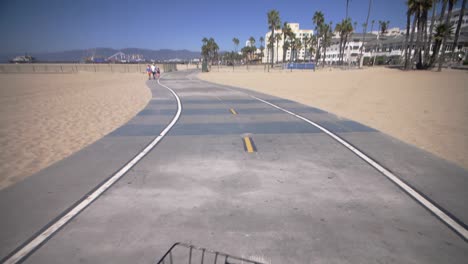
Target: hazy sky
{"points": [[56, 25]]}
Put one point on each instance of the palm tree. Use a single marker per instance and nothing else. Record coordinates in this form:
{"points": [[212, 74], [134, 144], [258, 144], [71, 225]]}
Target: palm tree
{"points": [[441, 21], [431, 29], [347, 6], [327, 38], [318, 20], [344, 29], [365, 31], [421, 9], [277, 39], [287, 34], [236, 47], [236, 44], [262, 48], [451, 3], [252, 47], [384, 26], [412, 9], [209, 49], [439, 32], [457, 32], [274, 23], [306, 42], [312, 45]]}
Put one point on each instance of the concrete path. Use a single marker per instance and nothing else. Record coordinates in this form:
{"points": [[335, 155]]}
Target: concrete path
{"points": [[300, 198]]}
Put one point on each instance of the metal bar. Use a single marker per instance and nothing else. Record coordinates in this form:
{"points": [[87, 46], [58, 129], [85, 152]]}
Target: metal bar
{"points": [[202, 256], [216, 257], [170, 257], [190, 256]]}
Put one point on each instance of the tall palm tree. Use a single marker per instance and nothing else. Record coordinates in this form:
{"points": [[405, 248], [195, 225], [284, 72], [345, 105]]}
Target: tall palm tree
{"points": [[441, 21], [236, 47], [287, 32], [278, 39], [312, 45], [305, 43], [274, 23], [262, 48], [236, 44], [365, 31], [451, 3], [347, 6], [252, 47], [412, 9], [327, 37], [318, 20], [457, 32], [439, 32], [431, 30]]}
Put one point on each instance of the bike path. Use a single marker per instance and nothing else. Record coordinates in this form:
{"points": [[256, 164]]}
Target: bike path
{"points": [[300, 198]]}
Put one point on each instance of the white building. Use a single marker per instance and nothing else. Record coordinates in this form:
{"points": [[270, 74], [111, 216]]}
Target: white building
{"points": [[278, 49]]}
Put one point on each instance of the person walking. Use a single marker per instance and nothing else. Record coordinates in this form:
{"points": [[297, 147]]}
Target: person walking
{"points": [[158, 72], [153, 70], [148, 71]]}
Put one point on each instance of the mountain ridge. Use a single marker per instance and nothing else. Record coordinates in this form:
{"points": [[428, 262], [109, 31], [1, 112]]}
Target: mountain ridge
{"points": [[77, 55]]}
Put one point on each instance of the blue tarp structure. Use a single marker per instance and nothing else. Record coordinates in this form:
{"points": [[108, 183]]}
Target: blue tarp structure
{"points": [[300, 66]]}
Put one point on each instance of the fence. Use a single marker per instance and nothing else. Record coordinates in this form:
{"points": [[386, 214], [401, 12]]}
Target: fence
{"points": [[73, 68]]}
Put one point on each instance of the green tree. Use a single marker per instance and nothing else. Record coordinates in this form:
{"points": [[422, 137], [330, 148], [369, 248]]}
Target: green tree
{"points": [[274, 23]]}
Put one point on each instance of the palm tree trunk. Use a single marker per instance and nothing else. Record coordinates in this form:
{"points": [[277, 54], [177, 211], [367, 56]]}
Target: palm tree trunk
{"points": [[441, 21], [444, 42], [427, 49], [410, 48], [272, 49], [418, 37], [457, 32], [408, 25], [365, 32], [277, 46]]}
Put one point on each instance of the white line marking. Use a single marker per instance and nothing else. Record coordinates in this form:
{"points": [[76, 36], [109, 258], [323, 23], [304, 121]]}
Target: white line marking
{"points": [[33, 244], [462, 231]]}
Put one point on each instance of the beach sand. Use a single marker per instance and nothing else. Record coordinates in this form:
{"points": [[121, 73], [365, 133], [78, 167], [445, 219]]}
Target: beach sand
{"points": [[426, 109], [47, 117]]}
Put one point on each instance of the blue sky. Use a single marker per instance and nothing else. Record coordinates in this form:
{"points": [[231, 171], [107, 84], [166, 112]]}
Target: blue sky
{"points": [[57, 25]]}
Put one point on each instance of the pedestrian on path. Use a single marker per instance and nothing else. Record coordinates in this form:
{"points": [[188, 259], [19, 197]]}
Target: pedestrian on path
{"points": [[158, 72], [153, 70], [148, 71]]}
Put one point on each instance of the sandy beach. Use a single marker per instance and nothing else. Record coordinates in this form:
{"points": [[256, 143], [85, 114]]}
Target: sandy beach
{"points": [[47, 117], [426, 109]]}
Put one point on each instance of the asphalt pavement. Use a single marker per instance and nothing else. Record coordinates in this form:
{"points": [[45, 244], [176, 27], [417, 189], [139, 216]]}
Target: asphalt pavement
{"points": [[237, 175]]}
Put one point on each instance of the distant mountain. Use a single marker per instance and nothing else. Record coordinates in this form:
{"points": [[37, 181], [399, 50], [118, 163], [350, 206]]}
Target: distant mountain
{"points": [[79, 55]]}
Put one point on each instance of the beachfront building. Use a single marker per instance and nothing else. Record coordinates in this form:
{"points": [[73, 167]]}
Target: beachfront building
{"points": [[278, 46], [390, 45]]}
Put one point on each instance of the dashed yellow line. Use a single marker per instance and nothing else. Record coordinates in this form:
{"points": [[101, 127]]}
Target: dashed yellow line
{"points": [[233, 111], [249, 145]]}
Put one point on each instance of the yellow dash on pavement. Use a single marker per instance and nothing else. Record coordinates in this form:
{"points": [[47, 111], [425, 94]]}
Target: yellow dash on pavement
{"points": [[233, 111], [249, 146]]}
